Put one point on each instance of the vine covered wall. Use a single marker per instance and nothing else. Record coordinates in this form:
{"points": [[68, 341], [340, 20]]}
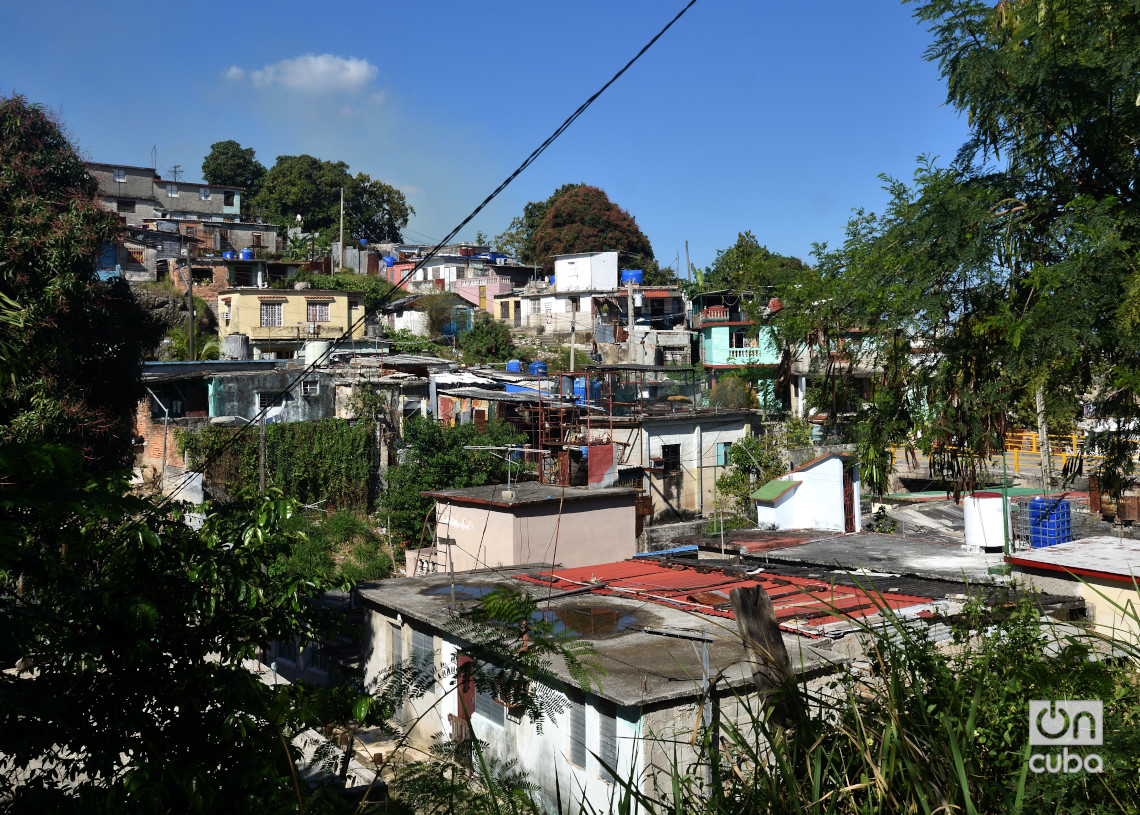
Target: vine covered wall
{"points": [[329, 460]]}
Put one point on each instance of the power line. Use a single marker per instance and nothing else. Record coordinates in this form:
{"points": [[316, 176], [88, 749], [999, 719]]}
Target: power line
{"points": [[434, 251]]}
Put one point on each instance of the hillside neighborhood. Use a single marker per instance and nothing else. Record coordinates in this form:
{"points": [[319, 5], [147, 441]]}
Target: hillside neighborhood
{"points": [[297, 514]]}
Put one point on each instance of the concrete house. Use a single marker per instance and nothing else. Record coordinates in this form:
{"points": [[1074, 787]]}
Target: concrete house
{"points": [[647, 706], [820, 494], [279, 322], [139, 193], [528, 522]]}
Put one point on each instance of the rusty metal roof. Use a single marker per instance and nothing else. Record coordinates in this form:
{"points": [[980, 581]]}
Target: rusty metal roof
{"points": [[805, 606]]}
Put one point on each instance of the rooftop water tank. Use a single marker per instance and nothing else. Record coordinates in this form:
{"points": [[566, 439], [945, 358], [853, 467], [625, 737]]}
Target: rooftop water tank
{"points": [[634, 276], [1050, 522], [552, 280], [317, 352], [389, 261], [514, 366], [237, 346], [984, 517], [537, 368], [245, 254], [227, 255]]}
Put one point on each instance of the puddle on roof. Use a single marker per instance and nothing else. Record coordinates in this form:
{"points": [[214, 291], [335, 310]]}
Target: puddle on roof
{"points": [[463, 591], [588, 621]]}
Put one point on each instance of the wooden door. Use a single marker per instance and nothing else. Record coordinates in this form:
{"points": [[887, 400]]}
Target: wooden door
{"points": [[848, 502]]}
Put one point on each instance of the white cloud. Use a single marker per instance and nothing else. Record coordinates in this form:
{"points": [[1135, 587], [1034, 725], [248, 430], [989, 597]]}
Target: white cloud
{"points": [[313, 73]]}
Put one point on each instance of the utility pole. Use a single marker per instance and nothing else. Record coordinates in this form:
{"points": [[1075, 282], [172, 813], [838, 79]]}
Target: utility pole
{"points": [[342, 229], [629, 322], [688, 265], [261, 454], [1043, 441], [190, 297], [573, 326]]}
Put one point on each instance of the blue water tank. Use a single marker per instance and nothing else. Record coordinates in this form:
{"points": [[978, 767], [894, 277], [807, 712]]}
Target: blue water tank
{"points": [[537, 368], [1050, 522], [552, 280], [514, 366], [389, 261], [245, 254], [227, 256], [634, 276], [579, 387], [364, 241]]}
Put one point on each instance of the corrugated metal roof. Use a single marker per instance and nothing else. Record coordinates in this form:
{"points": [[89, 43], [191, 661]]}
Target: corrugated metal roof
{"points": [[802, 605]]}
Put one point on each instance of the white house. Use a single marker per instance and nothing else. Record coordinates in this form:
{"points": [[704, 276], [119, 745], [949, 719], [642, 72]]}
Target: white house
{"points": [[819, 494], [638, 719], [586, 271]]}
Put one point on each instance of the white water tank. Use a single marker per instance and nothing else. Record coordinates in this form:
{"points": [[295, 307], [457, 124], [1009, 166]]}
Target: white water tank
{"points": [[317, 352], [986, 522]]}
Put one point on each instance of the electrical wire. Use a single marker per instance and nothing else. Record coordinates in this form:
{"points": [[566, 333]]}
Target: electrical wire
{"points": [[431, 254]]}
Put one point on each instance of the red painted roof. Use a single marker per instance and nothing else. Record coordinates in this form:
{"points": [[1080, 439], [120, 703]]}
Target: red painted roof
{"points": [[802, 605]]}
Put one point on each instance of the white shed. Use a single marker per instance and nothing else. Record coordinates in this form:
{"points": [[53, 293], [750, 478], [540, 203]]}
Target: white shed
{"points": [[820, 494]]}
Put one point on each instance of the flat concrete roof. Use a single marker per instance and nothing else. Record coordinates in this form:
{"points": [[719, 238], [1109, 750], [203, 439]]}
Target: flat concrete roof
{"points": [[528, 493], [642, 668], [1100, 556], [875, 552]]}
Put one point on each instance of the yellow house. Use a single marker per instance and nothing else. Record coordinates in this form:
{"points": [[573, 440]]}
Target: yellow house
{"points": [[279, 322], [1103, 570]]}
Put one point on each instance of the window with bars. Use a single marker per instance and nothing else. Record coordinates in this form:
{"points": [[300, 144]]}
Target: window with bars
{"points": [[267, 399], [311, 387], [317, 312], [578, 732], [256, 237], [272, 315], [423, 656], [607, 741]]}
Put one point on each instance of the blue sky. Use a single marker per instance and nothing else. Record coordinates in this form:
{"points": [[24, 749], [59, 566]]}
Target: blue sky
{"points": [[773, 117]]}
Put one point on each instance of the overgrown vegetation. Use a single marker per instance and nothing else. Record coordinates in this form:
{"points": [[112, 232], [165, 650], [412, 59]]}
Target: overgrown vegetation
{"points": [[328, 460], [339, 544], [488, 341], [433, 458]]}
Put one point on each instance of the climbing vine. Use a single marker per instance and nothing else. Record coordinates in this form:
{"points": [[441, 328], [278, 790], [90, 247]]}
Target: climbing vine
{"points": [[329, 460]]}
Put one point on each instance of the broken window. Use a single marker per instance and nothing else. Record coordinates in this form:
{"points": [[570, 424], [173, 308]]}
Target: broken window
{"points": [[126, 206], [671, 458], [229, 197]]}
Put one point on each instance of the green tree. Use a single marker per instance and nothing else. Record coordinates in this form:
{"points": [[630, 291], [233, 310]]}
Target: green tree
{"points": [[231, 165], [518, 239], [583, 219], [748, 266], [125, 628], [433, 458], [753, 462], [80, 339], [309, 187], [488, 341]]}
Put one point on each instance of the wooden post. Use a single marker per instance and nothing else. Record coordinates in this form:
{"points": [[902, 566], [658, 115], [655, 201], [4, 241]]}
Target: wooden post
{"points": [[771, 666]]}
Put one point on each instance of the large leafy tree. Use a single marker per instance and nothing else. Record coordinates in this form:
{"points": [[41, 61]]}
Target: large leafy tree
{"points": [[310, 187], [230, 164], [434, 458], [124, 629], [748, 266], [1011, 272], [518, 239], [488, 341], [583, 219], [79, 340]]}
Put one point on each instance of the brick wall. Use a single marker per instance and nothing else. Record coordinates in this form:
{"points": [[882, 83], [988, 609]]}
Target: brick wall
{"points": [[151, 431]]}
